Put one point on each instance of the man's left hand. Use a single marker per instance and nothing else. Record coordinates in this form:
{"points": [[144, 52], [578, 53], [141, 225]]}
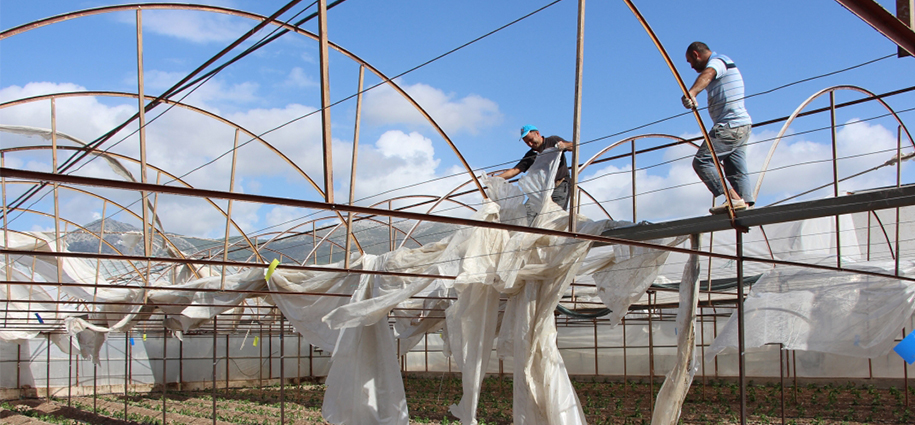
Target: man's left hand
{"points": [[689, 102]]}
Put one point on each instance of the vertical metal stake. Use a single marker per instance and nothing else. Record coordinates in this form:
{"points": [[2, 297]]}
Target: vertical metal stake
{"points": [[47, 381], [325, 102], [164, 369], [596, 369], [282, 372], [576, 116], [227, 364], [781, 375], [70, 372], [126, 370], [740, 331], [835, 173], [651, 395], [213, 377]]}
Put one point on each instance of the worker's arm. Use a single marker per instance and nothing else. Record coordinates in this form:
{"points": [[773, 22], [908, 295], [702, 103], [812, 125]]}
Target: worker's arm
{"points": [[565, 146], [702, 81], [511, 172]]}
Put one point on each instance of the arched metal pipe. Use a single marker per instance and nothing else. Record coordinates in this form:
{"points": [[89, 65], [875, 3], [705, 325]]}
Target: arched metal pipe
{"points": [[800, 108], [234, 12]]}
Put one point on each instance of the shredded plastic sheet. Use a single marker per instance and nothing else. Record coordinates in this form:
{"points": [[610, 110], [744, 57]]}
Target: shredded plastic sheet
{"points": [[676, 385], [347, 313], [825, 311]]}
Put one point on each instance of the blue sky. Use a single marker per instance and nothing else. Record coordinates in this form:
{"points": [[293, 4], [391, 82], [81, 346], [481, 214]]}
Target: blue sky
{"points": [[480, 95]]}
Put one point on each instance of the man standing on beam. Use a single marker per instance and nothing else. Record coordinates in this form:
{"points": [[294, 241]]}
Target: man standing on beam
{"points": [[721, 79]]}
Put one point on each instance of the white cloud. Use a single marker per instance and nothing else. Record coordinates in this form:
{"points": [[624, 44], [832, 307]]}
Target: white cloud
{"points": [[663, 194], [471, 114], [283, 217], [210, 96], [799, 164], [83, 117], [298, 78], [398, 160], [197, 27]]}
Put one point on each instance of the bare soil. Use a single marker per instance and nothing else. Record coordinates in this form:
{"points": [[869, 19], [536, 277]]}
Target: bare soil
{"points": [[428, 399]]}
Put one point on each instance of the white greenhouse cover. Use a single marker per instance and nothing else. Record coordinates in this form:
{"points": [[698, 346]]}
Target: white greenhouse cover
{"points": [[826, 311], [847, 313]]}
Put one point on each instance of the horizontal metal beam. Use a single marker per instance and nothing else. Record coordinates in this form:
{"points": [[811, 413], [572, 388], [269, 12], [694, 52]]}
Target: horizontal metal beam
{"points": [[197, 261], [634, 236], [864, 201], [883, 21], [299, 203]]}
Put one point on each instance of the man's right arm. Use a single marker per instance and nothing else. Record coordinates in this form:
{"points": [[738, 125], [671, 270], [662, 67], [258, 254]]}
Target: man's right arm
{"points": [[702, 81], [511, 172]]}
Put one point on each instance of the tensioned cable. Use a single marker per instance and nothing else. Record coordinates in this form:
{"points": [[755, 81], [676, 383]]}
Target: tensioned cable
{"points": [[384, 81], [814, 130], [651, 166], [648, 124], [479, 38], [197, 83], [86, 150], [273, 35], [367, 89], [773, 169], [760, 141]]}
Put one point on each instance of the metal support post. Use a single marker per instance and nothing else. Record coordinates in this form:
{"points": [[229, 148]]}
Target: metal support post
{"points": [[576, 116], [164, 369], [213, 377], [227, 364], [282, 372], [740, 331], [835, 173], [352, 176], [651, 395], [126, 369], [324, 62], [70, 372]]}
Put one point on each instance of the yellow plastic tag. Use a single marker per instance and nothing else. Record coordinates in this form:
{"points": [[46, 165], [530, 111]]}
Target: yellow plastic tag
{"points": [[271, 269], [257, 338]]}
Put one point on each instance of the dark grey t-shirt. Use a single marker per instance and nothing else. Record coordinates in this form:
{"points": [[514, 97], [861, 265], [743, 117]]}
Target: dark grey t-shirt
{"points": [[548, 142]]}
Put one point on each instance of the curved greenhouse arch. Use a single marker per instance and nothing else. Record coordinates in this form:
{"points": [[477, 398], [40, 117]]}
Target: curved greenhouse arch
{"points": [[804, 104], [243, 14]]}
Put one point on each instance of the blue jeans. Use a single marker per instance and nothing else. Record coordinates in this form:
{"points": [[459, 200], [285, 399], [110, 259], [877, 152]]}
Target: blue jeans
{"points": [[561, 194], [731, 147]]}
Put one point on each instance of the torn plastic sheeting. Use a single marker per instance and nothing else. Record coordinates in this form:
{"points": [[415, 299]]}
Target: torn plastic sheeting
{"points": [[534, 270], [836, 312], [623, 282], [364, 385], [678, 380]]}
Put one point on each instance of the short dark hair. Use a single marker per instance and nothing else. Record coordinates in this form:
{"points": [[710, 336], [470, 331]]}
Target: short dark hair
{"points": [[697, 46]]}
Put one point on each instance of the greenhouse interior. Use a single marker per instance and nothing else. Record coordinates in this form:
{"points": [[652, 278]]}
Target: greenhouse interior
{"points": [[243, 283]]}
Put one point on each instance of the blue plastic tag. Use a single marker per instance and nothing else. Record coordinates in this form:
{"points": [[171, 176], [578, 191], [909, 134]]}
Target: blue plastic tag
{"points": [[906, 348]]}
